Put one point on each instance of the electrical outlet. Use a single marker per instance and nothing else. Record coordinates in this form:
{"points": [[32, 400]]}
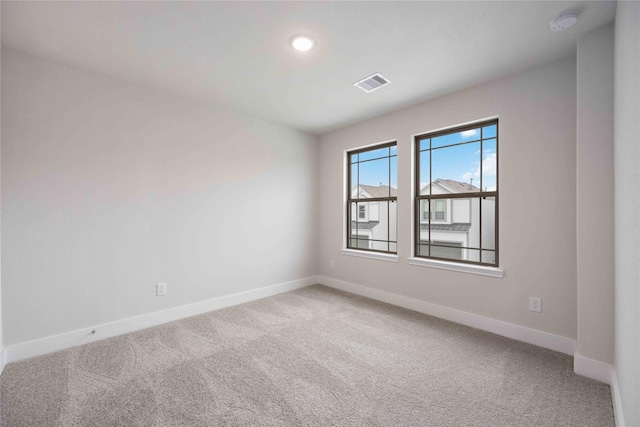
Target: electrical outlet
{"points": [[332, 264], [161, 289], [535, 304]]}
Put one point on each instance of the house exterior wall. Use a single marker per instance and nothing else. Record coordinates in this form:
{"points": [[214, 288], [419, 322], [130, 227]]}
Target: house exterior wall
{"points": [[377, 211], [464, 211], [461, 211]]}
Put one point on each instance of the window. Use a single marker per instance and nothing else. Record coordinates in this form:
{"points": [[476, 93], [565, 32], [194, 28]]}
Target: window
{"points": [[437, 212], [457, 220], [372, 194], [362, 211]]}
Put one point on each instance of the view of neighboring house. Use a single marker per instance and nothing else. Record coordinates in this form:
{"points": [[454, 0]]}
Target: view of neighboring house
{"points": [[373, 224], [456, 223]]}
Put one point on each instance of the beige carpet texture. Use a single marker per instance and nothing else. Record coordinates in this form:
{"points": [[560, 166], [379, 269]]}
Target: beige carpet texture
{"points": [[311, 357]]}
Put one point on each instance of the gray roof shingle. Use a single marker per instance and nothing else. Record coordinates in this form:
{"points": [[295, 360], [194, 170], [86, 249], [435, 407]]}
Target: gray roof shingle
{"points": [[380, 190], [459, 187], [446, 227], [364, 225]]}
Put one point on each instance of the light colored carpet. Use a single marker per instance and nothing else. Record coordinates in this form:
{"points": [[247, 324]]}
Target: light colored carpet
{"points": [[312, 357]]}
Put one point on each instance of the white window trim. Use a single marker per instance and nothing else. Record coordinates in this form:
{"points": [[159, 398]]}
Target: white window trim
{"points": [[457, 266], [371, 255]]}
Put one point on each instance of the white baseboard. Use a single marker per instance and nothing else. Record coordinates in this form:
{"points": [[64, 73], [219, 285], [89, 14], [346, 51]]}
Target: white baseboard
{"points": [[3, 359], [510, 330], [615, 398], [591, 368], [66, 340]]}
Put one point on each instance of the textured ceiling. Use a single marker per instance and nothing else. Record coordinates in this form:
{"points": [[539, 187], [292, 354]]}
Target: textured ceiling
{"points": [[236, 54]]}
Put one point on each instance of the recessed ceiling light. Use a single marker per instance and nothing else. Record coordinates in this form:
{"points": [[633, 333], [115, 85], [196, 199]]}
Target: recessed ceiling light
{"points": [[302, 43], [564, 20]]}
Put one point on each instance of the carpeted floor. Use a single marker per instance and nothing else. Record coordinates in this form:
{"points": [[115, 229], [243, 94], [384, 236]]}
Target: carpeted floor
{"points": [[312, 357]]}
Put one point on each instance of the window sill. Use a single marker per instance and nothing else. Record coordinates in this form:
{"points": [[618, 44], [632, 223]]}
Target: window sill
{"points": [[454, 266], [371, 255]]}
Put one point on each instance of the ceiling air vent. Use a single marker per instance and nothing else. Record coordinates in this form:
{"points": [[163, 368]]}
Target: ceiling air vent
{"points": [[372, 83]]}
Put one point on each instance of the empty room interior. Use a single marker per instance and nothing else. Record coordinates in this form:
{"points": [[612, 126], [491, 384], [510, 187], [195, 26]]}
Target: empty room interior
{"points": [[320, 213]]}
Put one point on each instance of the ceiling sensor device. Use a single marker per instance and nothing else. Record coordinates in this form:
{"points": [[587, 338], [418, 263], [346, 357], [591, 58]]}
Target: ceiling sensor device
{"points": [[564, 20]]}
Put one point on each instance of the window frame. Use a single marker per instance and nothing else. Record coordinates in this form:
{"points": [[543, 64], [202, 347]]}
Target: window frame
{"points": [[350, 200], [480, 195]]}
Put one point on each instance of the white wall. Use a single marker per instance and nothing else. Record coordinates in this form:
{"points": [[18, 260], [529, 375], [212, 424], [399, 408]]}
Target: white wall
{"points": [[537, 158], [627, 208], [109, 188], [2, 354], [594, 189]]}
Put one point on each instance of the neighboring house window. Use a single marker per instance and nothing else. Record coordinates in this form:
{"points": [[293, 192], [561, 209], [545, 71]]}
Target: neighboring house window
{"points": [[446, 250], [372, 194], [362, 212], [456, 197], [438, 211]]}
